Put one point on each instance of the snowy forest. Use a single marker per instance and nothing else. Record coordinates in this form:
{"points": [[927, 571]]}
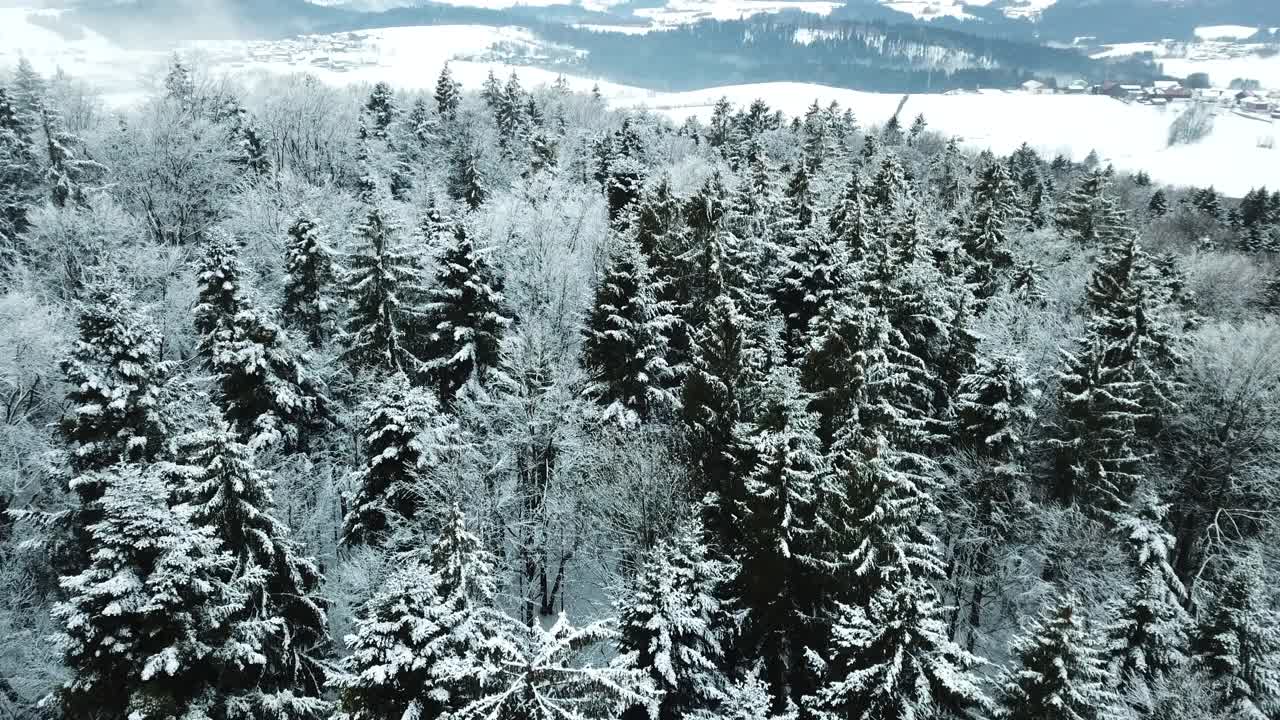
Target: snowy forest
{"points": [[497, 403]]}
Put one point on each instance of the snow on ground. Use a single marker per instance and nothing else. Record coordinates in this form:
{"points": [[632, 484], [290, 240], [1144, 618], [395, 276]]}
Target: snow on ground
{"points": [[1121, 50], [1129, 135], [405, 57], [1223, 70], [81, 53], [1225, 32], [1224, 61], [622, 29], [930, 9], [683, 12], [500, 4], [1027, 8]]}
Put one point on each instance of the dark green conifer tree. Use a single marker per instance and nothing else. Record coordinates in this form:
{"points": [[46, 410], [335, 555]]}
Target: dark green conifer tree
{"points": [[464, 316]]}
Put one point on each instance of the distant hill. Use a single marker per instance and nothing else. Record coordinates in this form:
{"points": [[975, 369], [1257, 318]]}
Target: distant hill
{"points": [[875, 56], [135, 22], [1063, 21]]}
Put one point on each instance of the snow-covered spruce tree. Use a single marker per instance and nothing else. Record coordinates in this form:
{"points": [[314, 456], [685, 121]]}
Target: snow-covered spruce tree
{"points": [[951, 176], [387, 676], [892, 654], [671, 622], [381, 109], [815, 140], [1147, 636], [1237, 642], [266, 391], [113, 373], [814, 274], [657, 225], [848, 220], [624, 345], [422, 125], [622, 173], [509, 115], [1027, 284], [19, 173], [539, 675], [710, 244], [143, 626], [776, 581], [251, 150], [425, 643], [263, 386], [746, 698], [842, 371], [887, 193], [862, 358], [1058, 674], [66, 172], [284, 619], [659, 228], [1206, 202], [463, 316], [929, 313], [309, 277], [800, 199], [403, 431], [383, 293], [1089, 214], [448, 94], [1128, 305], [467, 183], [1095, 461], [1117, 387], [1158, 205], [894, 659], [711, 408], [219, 295], [985, 236], [993, 410]]}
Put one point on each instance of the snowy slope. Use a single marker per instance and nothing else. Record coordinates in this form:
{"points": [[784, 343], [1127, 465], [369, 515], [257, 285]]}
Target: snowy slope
{"points": [[406, 57], [1225, 32], [1223, 70], [1223, 61], [115, 72], [1131, 136], [932, 9]]}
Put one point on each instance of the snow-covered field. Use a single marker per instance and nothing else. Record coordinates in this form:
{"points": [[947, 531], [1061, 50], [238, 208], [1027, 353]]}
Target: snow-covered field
{"points": [[1223, 70], [84, 53], [406, 57], [932, 9], [1223, 60], [1129, 135], [683, 12], [1227, 32]]}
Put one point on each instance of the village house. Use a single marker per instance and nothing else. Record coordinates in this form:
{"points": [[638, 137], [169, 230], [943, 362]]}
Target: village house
{"points": [[1256, 104]]}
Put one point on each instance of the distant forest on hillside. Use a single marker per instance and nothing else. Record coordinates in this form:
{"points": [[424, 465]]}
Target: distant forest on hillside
{"points": [[861, 56]]}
